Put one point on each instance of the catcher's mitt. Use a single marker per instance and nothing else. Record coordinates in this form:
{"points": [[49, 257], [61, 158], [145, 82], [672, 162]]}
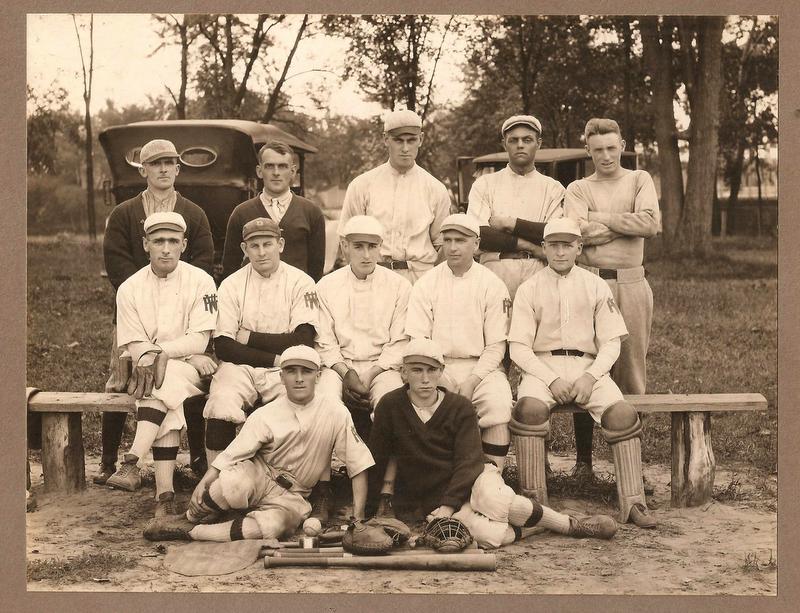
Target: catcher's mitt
{"points": [[396, 529], [361, 538], [144, 378], [446, 534]]}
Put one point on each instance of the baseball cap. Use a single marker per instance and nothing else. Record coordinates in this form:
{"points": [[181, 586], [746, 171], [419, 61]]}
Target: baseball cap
{"points": [[164, 221], [363, 227], [562, 225], [261, 226], [300, 355], [521, 120], [423, 350], [157, 149], [402, 122], [461, 222]]}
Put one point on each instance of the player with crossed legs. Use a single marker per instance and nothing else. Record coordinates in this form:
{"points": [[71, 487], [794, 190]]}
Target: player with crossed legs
{"points": [[464, 307], [165, 315], [565, 335], [272, 464], [433, 436]]}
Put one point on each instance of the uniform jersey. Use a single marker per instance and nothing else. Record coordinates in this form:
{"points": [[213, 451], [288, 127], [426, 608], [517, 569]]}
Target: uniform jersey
{"points": [[362, 320], [616, 215], [276, 304], [410, 206], [159, 310], [298, 440]]}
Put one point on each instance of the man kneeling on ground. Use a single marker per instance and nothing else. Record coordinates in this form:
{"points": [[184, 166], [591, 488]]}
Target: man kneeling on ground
{"points": [[433, 436], [272, 464]]}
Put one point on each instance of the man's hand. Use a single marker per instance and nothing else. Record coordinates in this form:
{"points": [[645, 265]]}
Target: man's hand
{"points": [[582, 388], [201, 488], [562, 391], [354, 393], [203, 364], [242, 336], [442, 511], [147, 374], [500, 222], [368, 376], [467, 387]]}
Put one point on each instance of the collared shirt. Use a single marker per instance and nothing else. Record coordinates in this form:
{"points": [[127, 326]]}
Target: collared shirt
{"points": [[299, 440], [153, 204], [276, 207], [157, 310], [532, 196], [362, 319], [463, 315], [425, 413], [616, 215], [276, 304], [410, 206]]}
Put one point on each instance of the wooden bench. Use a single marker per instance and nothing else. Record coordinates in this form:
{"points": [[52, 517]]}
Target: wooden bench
{"points": [[693, 464]]}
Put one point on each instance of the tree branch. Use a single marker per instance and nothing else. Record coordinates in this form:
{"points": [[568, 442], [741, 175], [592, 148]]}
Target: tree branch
{"points": [[275, 94], [433, 71]]}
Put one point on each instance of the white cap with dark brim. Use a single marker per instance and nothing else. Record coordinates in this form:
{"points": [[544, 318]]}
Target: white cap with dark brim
{"points": [[300, 355], [462, 222], [423, 351], [521, 120], [364, 228], [164, 221], [562, 226], [402, 122]]}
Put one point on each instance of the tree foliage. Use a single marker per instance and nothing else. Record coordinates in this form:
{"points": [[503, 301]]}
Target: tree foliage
{"points": [[52, 126]]}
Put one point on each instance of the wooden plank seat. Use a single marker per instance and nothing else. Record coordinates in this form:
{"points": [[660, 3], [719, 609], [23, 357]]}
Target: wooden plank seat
{"points": [[693, 464]]}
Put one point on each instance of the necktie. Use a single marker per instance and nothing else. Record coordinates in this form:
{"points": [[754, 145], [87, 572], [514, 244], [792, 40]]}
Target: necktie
{"points": [[278, 208]]}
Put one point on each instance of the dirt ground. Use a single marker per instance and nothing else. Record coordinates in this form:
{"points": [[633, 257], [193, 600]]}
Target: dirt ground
{"points": [[720, 548]]}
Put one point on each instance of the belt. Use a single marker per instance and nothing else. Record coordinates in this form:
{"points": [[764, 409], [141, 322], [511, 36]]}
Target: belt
{"points": [[607, 273], [394, 264], [516, 255], [568, 352]]}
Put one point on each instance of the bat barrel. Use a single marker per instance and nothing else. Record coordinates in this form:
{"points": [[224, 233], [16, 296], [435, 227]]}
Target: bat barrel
{"points": [[456, 562]]}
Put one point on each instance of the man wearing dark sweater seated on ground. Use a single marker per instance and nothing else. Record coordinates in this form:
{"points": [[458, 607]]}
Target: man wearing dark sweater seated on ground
{"points": [[430, 437], [264, 308], [301, 221]]}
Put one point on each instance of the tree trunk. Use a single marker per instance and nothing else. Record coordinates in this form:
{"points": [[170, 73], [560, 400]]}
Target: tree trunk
{"points": [[694, 232], [87, 120], [658, 60], [276, 91], [735, 173], [180, 107], [629, 130]]}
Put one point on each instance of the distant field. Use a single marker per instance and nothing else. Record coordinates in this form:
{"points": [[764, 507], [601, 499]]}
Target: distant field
{"points": [[715, 330]]}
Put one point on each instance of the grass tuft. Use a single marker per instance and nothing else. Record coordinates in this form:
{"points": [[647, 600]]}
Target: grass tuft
{"points": [[80, 568], [752, 563]]}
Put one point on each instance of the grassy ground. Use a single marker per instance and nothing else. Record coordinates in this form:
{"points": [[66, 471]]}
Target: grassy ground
{"points": [[714, 330]]}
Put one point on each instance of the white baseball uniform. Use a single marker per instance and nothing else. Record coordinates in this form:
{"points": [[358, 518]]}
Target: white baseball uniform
{"points": [[362, 323], [532, 197], [575, 311], [284, 438], [410, 206], [468, 317], [177, 313], [274, 305], [616, 216]]}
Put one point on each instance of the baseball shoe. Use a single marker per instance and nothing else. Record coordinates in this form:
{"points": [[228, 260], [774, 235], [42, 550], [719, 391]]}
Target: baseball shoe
{"points": [[168, 528], [639, 515], [106, 470], [321, 502], [385, 508], [596, 526], [127, 477], [165, 504]]}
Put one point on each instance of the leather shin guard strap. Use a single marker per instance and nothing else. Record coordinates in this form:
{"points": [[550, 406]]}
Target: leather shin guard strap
{"points": [[154, 416], [618, 436], [236, 529], [219, 434], [628, 468], [495, 450], [164, 453], [521, 429]]}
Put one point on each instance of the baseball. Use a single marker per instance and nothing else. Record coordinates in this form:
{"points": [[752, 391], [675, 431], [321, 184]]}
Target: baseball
{"points": [[312, 527]]}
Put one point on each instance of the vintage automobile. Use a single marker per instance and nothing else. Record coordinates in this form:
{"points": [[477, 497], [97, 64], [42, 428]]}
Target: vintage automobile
{"points": [[565, 165], [218, 163]]}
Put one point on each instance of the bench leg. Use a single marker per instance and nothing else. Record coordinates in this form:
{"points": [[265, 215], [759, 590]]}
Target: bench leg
{"points": [[693, 464], [63, 464]]}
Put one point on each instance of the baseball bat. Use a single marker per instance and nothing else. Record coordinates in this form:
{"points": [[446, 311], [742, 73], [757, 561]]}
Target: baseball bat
{"points": [[459, 562], [336, 552]]}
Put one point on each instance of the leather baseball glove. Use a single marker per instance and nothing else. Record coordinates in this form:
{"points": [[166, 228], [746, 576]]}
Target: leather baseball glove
{"points": [[394, 528], [446, 534], [364, 539], [144, 378]]}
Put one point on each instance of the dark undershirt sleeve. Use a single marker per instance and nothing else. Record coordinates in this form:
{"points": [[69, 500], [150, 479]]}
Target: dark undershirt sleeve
{"points": [[497, 240], [278, 343], [230, 350], [530, 230]]}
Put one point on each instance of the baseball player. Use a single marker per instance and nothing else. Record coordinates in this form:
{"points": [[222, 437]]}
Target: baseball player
{"points": [[301, 221], [407, 200], [565, 335], [273, 463], [165, 315], [123, 256], [617, 209], [264, 307], [513, 204], [465, 308], [433, 434]]}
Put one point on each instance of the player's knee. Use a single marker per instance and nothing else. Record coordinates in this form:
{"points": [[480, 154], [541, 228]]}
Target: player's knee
{"points": [[619, 416], [274, 523], [530, 411]]}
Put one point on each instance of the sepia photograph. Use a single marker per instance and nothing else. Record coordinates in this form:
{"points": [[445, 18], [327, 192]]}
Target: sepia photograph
{"points": [[479, 304]]}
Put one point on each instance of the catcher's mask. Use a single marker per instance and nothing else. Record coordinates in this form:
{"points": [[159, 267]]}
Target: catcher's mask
{"points": [[446, 534]]}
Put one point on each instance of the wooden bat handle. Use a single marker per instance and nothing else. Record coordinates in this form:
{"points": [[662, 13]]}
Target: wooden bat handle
{"points": [[459, 562]]}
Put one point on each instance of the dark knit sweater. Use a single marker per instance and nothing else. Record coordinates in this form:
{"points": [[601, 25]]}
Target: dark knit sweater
{"points": [[123, 252], [437, 461], [303, 227]]}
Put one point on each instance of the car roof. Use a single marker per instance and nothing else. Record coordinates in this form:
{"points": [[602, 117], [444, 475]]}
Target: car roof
{"points": [[259, 132], [543, 156]]}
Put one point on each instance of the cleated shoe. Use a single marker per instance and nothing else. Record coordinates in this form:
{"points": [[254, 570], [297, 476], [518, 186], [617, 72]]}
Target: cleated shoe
{"points": [[127, 477], [165, 504], [640, 516], [102, 477], [168, 528], [321, 502], [385, 508], [596, 526]]}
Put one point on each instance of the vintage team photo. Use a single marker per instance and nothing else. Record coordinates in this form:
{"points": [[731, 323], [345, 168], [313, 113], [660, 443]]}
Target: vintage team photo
{"points": [[441, 304]]}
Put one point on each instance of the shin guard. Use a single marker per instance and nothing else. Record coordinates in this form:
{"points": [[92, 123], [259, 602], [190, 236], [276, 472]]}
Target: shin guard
{"points": [[628, 469], [529, 444]]}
